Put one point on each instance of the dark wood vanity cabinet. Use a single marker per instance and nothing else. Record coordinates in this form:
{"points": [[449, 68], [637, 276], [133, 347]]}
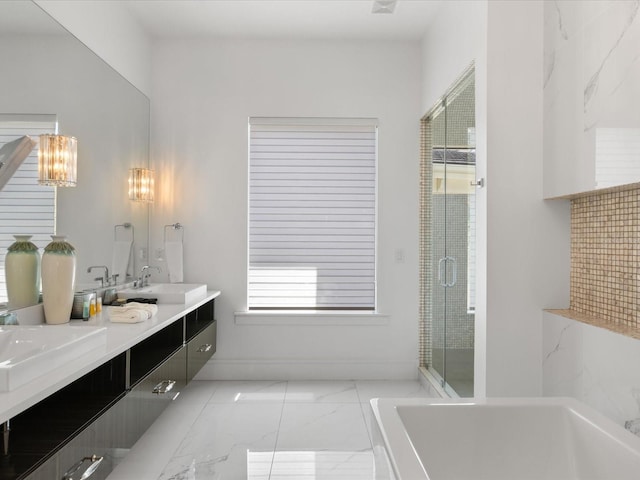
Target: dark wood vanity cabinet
{"points": [[201, 331], [106, 411], [66, 417], [200, 349]]}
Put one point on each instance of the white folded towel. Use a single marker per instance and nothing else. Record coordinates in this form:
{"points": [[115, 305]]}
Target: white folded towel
{"points": [[132, 312], [127, 316], [150, 308], [174, 255]]}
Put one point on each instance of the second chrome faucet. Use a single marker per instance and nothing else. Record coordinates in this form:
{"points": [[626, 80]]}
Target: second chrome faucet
{"points": [[143, 279]]}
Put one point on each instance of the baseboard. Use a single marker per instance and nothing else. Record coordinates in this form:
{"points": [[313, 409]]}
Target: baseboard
{"points": [[259, 369]]}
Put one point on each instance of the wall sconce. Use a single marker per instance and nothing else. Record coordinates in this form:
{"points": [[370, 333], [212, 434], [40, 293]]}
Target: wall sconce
{"points": [[57, 161], [141, 185]]}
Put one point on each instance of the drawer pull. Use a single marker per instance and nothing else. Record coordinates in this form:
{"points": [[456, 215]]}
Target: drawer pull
{"points": [[164, 386], [95, 463], [205, 348]]}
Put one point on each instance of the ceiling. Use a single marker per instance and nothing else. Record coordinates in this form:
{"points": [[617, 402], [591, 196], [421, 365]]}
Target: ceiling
{"points": [[283, 19], [26, 18]]}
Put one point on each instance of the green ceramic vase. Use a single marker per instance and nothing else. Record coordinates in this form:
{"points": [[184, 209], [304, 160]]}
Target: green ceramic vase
{"points": [[58, 280], [22, 273]]}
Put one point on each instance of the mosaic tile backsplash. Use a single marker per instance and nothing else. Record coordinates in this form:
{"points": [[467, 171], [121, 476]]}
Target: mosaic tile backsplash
{"points": [[605, 256]]}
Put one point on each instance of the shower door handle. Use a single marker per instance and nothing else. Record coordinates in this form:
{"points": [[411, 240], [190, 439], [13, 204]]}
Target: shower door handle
{"points": [[442, 278], [454, 271], [442, 282]]}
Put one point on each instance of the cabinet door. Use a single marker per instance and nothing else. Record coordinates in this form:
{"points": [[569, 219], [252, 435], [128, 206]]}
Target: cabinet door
{"points": [[147, 355], [86, 451], [146, 401], [76, 457], [64, 421], [199, 319], [200, 349], [47, 470]]}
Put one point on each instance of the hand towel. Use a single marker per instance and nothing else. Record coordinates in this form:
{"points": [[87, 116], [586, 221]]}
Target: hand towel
{"points": [[120, 263], [150, 308], [132, 312], [119, 315], [173, 254]]}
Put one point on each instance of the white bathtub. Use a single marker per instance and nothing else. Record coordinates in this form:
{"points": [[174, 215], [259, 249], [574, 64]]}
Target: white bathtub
{"points": [[504, 439]]}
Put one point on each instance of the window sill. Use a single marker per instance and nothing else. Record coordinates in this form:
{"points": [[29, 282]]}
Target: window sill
{"points": [[304, 318]]}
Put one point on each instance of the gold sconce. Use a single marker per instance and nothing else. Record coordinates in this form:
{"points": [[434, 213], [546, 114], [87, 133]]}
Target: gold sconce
{"points": [[141, 185], [58, 160]]}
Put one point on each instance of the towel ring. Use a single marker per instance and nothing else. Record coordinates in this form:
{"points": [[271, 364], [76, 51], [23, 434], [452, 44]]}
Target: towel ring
{"points": [[174, 226], [124, 226]]}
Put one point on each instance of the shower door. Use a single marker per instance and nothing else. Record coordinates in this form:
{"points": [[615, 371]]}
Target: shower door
{"points": [[453, 239]]}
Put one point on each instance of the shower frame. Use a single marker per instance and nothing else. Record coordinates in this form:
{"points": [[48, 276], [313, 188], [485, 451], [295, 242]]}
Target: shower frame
{"points": [[438, 269]]}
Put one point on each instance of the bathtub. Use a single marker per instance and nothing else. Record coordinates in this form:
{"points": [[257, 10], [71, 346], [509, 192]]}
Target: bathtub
{"points": [[503, 439]]}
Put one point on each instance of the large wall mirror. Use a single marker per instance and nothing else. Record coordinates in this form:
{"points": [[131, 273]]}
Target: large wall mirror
{"points": [[47, 71]]}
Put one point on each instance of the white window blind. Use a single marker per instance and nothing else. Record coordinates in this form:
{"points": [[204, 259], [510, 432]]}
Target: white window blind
{"points": [[312, 213], [26, 208]]}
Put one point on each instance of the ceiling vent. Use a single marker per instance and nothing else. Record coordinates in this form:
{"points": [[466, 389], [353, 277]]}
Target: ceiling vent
{"points": [[384, 6]]}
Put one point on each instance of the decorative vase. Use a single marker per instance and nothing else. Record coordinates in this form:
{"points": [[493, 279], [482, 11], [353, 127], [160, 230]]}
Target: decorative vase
{"points": [[22, 273], [58, 280]]}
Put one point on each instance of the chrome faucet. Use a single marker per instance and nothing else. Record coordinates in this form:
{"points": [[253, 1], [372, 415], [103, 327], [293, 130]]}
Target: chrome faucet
{"points": [[104, 279], [143, 279]]}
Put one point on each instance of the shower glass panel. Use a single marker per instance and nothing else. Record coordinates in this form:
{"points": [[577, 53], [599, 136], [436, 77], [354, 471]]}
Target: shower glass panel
{"points": [[453, 239]]}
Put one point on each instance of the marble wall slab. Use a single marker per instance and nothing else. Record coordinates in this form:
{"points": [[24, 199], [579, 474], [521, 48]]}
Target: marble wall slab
{"points": [[594, 365], [591, 141], [591, 95]]}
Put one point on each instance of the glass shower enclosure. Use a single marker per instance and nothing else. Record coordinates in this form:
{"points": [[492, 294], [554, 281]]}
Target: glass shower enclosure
{"points": [[449, 193]]}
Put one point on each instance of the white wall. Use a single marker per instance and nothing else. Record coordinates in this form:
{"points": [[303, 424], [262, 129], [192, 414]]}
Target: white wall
{"points": [[455, 39], [523, 259], [203, 93], [527, 238], [110, 31]]}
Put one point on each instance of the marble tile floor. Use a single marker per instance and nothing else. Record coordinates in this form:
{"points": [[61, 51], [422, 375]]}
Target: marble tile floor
{"points": [[264, 430]]}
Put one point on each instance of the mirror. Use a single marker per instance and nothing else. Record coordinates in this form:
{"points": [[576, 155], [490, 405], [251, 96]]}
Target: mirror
{"points": [[45, 70]]}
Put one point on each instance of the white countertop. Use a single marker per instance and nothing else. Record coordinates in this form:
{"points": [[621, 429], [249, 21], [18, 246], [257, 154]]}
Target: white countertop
{"points": [[120, 337]]}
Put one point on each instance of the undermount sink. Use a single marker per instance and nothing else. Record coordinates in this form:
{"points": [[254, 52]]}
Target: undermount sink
{"points": [[168, 292], [28, 352]]}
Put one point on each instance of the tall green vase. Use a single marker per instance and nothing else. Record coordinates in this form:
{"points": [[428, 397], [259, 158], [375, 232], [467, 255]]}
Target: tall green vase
{"points": [[58, 280], [22, 273]]}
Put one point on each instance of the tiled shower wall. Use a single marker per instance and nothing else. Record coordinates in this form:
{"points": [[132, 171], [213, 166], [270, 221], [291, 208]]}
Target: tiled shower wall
{"points": [[605, 256]]}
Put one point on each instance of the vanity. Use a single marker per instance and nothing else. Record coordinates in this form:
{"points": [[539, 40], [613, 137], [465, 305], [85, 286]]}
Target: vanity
{"points": [[88, 412]]}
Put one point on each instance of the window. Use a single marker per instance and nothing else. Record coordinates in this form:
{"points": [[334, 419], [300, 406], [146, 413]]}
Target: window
{"points": [[312, 214], [26, 208]]}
